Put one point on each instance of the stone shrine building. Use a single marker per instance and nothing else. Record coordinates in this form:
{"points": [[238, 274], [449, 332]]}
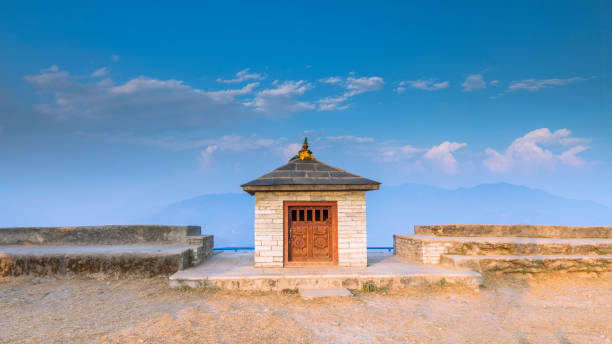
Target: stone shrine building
{"points": [[308, 213]]}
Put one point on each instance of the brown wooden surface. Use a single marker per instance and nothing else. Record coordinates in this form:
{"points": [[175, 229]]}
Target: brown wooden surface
{"points": [[310, 240]]}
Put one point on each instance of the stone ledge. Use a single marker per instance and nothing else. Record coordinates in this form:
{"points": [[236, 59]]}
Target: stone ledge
{"points": [[98, 235], [531, 231], [433, 245], [141, 263], [530, 264]]}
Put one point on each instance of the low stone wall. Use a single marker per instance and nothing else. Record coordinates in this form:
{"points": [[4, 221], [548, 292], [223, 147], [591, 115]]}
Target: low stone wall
{"points": [[124, 250], [117, 265], [530, 231], [98, 235], [530, 264]]}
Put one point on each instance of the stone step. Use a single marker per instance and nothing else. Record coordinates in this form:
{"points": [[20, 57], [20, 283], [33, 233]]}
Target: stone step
{"points": [[235, 271], [308, 294], [530, 264], [529, 231], [428, 249]]}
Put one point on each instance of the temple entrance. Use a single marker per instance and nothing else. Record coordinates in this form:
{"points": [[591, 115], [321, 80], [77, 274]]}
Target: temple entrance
{"points": [[311, 233]]}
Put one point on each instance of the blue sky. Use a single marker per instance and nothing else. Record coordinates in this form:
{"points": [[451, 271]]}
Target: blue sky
{"points": [[107, 111]]}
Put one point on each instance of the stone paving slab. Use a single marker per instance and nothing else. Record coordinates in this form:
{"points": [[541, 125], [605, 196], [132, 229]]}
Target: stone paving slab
{"points": [[308, 294], [234, 270]]}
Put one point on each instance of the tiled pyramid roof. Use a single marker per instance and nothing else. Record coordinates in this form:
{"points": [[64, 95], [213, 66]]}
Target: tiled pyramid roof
{"points": [[309, 174]]}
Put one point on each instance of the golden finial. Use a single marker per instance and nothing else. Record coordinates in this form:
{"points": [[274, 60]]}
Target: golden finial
{"points": [[305, 153]]}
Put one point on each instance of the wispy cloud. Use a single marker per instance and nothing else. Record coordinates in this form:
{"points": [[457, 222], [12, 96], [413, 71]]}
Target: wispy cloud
{"points": [[422, 84], [364, 84], [100, 72], [439, 156], [282, 98], [138, 98], [474, 82], [529, 151], [353, 86], [534, 85], [332, 80], [357, 139], [242, 76]]}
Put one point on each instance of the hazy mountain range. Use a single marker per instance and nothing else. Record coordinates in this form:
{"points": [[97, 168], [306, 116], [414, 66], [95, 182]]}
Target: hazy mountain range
{"points": [[396, 209]]}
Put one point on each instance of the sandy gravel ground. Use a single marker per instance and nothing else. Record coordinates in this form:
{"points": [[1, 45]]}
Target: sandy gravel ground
{"points": [[521, 309]]}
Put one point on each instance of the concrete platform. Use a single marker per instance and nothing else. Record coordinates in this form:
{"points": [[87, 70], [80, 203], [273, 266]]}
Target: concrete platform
{"points": [[235, 271]]}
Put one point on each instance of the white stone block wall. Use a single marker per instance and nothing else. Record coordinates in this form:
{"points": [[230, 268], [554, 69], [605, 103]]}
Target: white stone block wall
{"points": [[352, 239], [432, 251], [422, 251]]}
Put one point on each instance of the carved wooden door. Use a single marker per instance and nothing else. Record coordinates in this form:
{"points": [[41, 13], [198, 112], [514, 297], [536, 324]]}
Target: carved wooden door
{"points": [[311, 235]]}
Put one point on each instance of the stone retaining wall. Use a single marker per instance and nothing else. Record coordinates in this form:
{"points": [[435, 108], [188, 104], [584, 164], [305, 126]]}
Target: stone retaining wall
{"points": [[124, 250], [98, 235], [530, 231], [122, 265]]}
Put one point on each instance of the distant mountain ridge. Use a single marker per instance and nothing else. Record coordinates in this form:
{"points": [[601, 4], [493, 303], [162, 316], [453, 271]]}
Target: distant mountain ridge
{"points": [[396, 209]]}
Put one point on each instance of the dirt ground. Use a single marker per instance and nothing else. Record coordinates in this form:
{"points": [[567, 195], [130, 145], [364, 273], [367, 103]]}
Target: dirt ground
{"points": [[520, 309]]}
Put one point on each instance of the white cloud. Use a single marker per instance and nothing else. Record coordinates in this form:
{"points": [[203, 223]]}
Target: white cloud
{"points": [[569, 156], [100, 72], [364, 84], [494, 82], [242, 76], [357, 139], [141, 98], [529, 151], [474, 82], [333, 103], [534, 85], [282, 98], [229, 95], [422, 84], [332, 80], [206, 155], [442, 155], [353, 86], [233, 143], [439, 156], [115, 58]]}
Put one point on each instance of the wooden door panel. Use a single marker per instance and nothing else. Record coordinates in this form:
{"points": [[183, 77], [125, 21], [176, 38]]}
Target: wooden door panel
{"points": [[311, 231], [299, 242], [321, 241]]}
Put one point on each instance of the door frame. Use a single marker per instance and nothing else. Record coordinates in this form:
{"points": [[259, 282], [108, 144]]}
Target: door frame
{"points": [[334, 228]]}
